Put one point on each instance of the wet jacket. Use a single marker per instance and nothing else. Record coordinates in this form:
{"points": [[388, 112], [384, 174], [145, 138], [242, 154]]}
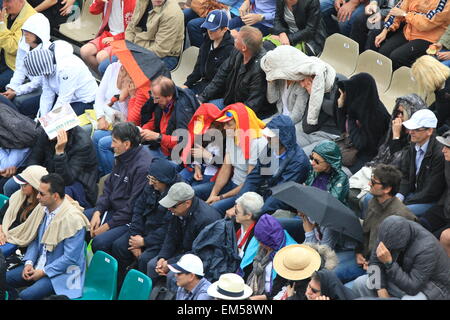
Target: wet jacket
{"points": [[77, 163], [216, 246], [17, 131], [309, 23], [420, 263], [124, 185], [293, 166], [209, 61], [239, 82], [338, 185], [179, 237], [429, 184]]}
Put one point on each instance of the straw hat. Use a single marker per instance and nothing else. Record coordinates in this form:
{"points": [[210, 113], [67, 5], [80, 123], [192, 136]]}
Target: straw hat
{"points": [[230, 286], [296, 262]]}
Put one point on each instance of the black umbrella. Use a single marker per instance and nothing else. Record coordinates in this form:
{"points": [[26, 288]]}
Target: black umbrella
{"points": [[321, 207], [141, 64]]}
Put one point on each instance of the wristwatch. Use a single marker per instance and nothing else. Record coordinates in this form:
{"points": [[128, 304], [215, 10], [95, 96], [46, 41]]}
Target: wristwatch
{"points": [[388, 264], [159, 138]]}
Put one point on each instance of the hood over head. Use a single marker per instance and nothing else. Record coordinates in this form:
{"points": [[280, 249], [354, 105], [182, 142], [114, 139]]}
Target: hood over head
{"points": [[269, 232], [285, 131], [396, 232], [331, 153], [332, 287], [39, 25]]}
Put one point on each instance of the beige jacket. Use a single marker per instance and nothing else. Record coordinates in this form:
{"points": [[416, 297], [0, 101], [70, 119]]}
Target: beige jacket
{"points": [[165, 28]]}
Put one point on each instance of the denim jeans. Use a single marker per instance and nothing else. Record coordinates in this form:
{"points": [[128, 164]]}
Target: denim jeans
{"points": [[35, 291], [237, 23], [347, 269], [188, 177], [28, 104], [204, 190], [218, 102], [193, 25], [5, 78], [327, 10], [8, 249], [102, 140], [105, 63]]}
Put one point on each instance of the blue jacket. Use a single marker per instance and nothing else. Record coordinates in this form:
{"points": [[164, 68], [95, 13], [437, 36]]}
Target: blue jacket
{"points": [[65, 265], [124, 185], [294, 165]]}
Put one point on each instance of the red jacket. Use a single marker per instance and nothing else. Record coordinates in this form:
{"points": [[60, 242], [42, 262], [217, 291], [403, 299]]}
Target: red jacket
{"points": [[98, 6]]}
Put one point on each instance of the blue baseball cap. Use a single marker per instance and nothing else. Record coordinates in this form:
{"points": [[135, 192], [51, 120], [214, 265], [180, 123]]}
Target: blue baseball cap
{"points": [[216, 19]]}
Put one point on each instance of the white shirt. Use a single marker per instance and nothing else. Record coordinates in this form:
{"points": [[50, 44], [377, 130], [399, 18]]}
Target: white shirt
{"points": [[284, 99], [42, 260], [72, 82], [238, 161], [268, 273], [107, 90], [115, 21]]}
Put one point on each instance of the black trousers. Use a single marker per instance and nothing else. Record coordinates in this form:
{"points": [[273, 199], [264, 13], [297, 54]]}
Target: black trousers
{"points": [[434, 220], [401, 51], [2, 276], [125, 257]]}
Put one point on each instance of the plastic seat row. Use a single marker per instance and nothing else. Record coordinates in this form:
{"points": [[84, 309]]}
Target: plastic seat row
{"points": [[342, 53], [101, 281]]}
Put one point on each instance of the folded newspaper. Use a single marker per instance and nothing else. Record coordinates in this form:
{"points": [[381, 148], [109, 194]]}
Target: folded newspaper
{"points": [[60, 118]]}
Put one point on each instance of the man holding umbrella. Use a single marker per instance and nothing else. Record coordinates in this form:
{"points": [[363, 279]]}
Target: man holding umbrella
{"points": [[325, 221]]}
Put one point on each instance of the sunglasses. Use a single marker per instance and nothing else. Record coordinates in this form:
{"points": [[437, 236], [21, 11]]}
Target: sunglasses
{"points": [[315, 160], [418, 130], [176, 206], [373, 182]]}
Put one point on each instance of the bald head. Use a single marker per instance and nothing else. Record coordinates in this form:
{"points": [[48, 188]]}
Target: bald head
{"points": [[251, 38], [166, 86], [13, 7]]}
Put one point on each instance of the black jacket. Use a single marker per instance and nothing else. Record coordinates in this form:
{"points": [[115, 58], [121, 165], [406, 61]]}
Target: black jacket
{"points": [[429, 184], [420, 263], [124, 185], [184, 108], [77, 163], [441, 105], [239, 82], [209, 61], [308, 20], [179, 238]]}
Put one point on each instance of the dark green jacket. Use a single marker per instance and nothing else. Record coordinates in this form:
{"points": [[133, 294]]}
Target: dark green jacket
{"points": [[338, 185]]}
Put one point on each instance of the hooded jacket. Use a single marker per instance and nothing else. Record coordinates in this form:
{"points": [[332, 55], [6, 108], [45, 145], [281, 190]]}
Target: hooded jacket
{"points": [[71, 82], [9, 38], [239, 82], [420, 263], [150, 220], [209, 61], [363, 116], [311, 28], [390, 152], [124, 185], [428, 185], [39, 25], [77, 163], [293, 165], [17, 131], [338, 184], [289, 63], [332, 287]]}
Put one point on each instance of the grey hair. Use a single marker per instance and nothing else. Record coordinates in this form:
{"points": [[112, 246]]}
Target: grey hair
{"points": [[251, 203]]}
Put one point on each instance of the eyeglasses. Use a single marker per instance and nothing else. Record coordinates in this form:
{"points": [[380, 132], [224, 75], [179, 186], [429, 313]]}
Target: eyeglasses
{"points": [[315, 160], [176, 206], [372, 181], [313, 289]]}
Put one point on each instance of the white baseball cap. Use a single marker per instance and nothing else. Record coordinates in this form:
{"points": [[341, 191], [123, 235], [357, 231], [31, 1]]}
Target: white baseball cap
{"points": [[189, 263], [423, 118]]}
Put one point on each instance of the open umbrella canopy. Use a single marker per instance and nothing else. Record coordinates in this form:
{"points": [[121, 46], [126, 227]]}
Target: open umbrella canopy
{"points": [[141, 64], [321, 207]]}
